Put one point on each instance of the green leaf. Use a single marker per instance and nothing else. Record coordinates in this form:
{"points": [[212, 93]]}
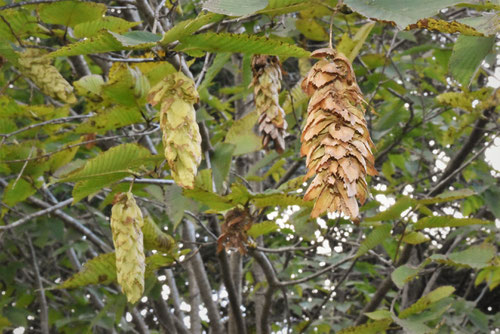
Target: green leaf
{"points": [[107, 41], [468, 53], [295, 98], [379, 315], [262, 228], [102, 270], [176, 203], [378, 235], [90, 86], [369, 328], [137, 38], [99, 270], [108, 167], [476, 257], [118, 159], [71, 13], [155, 238], [221, 163], [14, 194], [403, 274], [110, 119], [278, 7], [311, 29], [243, 43], [351, 47], [210, 199], [427, 300], [111, 23], [234, 7], [283, 200], [447, 221], [401, 12], [448, 196], [19, 21], [394, 212], [491, 196], [219, 62], [415, 238], [490, 275], [188, 27], [412, 326], [242, 136]]}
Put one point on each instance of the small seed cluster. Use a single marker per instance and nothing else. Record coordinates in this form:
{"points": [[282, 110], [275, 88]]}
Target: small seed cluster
{"points": [[266, 84]]}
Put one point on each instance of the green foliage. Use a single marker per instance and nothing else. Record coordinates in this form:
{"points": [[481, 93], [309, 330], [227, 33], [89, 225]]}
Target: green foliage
{"points": [[244, 43], [106, 168], [107, 41], [374, 327], [476, 257], [468, 53], [375, 238], [394, 212], [234, 8], [262, 228], [102, 270], [71, 13], [241, 135], [447, 221], [403, 274], [426, 301], [402, 13]]}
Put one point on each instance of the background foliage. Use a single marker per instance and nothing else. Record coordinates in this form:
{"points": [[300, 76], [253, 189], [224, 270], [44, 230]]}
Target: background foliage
{"points": [[75, 129]]}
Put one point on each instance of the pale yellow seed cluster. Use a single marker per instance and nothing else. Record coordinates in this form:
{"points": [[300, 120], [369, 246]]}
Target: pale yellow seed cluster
{"points": [[266, 83], [45, 76], [336, 139], [126, 224], [181, 135]]}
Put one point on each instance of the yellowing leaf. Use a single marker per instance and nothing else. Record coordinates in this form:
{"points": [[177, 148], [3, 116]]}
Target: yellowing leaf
{"points": [[427, 300], [444, 26]]}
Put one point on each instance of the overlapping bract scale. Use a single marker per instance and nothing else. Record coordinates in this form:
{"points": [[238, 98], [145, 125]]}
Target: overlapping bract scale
{"points": [[126, 224], [335, 140], [266, 83], [181, 134]]}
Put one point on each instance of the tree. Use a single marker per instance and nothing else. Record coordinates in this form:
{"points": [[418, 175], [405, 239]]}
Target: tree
{"points": [[150, 161]]}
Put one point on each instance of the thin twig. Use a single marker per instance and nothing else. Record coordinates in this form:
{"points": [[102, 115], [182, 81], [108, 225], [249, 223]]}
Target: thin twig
{"points": [[36, 214], [44, 309], [52, 121], [80, 144]]}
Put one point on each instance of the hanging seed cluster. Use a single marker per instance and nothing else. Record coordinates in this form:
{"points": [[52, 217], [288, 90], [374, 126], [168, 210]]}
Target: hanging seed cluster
{"points": [[234, 230], [45, 76], [266, 83], [335, 139], [181, 134], [126, 224]]}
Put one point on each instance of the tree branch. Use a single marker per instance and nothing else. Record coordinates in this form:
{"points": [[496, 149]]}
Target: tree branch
{"points": [[44, 310], [36, 214], [203, 283]]}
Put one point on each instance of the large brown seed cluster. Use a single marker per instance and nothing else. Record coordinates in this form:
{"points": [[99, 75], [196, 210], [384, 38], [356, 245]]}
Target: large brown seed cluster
{"points": [[266, 83], [335, 139]]}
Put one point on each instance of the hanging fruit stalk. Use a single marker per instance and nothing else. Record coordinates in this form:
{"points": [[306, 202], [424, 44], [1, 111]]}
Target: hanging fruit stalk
{"points": [[266, 83], [181, 135], [335, 139], [45, 76], [126, 224]]}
